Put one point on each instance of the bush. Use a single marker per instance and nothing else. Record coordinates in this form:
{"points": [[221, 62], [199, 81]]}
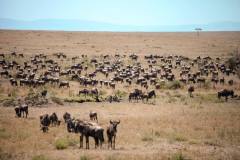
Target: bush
{"points": [[61, 144], [57, 100], [39, 157], [174, 85]]}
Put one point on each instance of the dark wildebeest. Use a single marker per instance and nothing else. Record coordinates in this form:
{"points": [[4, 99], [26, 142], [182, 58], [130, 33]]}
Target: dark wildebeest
{"points": [[63, 84], [44, 93], [21, 110], [66, 116], [136, 94], [45, 122], [111, 133], [149, 95], [84, 91], [13, 82], [225, 93], [54, 119], [88, 129], [93, 116], [190, 91], [17, 111]]}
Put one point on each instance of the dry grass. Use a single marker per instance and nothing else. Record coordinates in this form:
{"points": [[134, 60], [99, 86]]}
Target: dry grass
{"points": [[175, 127]]}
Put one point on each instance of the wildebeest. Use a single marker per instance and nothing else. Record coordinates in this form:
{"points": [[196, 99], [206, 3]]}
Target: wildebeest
{"points": [[149, 95], [93, 116], [44, 93], [66, 116], [87, 129], [191, 90], [54, 119], [136, 95], [21, 110], [225, 93], [111, 133], [63, 84], [45, 122]]}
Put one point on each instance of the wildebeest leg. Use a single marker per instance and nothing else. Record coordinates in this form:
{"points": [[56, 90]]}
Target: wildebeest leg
{"points": [[109, 142], [26, 114], [81, 141], [87, 142], [114, 142]]}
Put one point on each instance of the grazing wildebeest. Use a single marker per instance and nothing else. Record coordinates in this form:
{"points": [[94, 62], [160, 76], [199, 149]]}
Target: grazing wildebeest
{"points": [[44, 93], [54, 119], [149, 95], [84, 91], [225, 93], [66, 116], [111, 133], [93, 116], [63, 84], [190, 91]]}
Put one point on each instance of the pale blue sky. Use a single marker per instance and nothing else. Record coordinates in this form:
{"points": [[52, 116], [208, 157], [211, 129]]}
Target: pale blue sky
{"points": [[134, 12]]}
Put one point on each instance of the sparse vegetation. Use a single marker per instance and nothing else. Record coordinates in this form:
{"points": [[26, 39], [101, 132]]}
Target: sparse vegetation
{"points": [[57, 100], [40, 157]]}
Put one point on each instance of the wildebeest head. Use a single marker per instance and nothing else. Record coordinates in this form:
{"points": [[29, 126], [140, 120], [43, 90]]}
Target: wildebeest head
{"points": [[114, 125]]}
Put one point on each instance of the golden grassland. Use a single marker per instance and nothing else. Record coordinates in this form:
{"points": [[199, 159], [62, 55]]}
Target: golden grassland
{"points": [[172, 126]]}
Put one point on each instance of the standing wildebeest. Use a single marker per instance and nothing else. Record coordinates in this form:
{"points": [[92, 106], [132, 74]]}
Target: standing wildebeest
{"points": [[93, 116], [225, 93], [136, 94], [190, 91], [21, 110], [45, 122], [87, 129], [54, 119], [111, 133], [66, 116], [63, 84], [149, 95]]}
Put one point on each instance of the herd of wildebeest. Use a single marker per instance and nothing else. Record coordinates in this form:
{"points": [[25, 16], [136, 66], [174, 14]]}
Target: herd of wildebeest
{"points": [[146, 73]]}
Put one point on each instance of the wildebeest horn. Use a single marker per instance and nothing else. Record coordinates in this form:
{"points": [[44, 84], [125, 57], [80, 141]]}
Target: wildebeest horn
{"points": [[110, 121], [118, 121]]}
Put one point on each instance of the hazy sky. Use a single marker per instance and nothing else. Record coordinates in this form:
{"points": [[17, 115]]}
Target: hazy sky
{"points": [[134, 12]]}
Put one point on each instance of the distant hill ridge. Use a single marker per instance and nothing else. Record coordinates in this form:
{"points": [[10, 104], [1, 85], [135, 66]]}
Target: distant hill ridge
{"points": [[82, 25]]}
